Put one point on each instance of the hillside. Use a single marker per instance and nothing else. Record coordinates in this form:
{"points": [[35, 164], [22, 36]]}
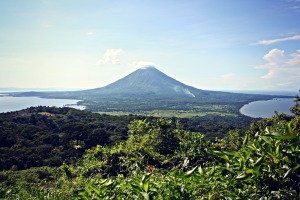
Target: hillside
{"points": [[49, 136]]}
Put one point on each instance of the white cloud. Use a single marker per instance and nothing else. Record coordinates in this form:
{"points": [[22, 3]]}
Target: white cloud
{"points": [[275, 56], [141, 64], [268, 42], [283, 69], [89, 33], [271, 73], [295, 58], [110, 57]]}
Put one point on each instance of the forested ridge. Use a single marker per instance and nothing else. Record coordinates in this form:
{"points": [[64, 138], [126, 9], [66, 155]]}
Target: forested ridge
{"points": [[49, 136], [150, 158]]}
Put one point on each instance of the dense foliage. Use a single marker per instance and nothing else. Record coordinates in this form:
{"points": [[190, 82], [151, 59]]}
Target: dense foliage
{"points": [[162, 160], [48, 136]]}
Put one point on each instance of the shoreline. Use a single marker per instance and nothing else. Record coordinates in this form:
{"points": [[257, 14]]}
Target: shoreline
{"points": [[258, 109]]}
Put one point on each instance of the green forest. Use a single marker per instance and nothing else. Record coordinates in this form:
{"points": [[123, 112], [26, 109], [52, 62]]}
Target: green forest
{"points": [[63, 153]]}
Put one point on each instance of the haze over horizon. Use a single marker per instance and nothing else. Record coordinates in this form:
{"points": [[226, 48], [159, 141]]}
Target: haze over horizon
{"points": [[208, 44]]}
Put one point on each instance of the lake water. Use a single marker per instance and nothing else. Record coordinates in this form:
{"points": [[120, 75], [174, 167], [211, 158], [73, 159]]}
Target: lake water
{"points": [[255, 109], [8, 103], [265, 109]]}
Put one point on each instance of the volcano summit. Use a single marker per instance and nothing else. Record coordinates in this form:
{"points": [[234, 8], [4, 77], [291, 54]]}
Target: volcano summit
{"points": [[146, 81]]}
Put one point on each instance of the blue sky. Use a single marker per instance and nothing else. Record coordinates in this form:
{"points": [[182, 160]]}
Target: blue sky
{"points": [[208, 44]]}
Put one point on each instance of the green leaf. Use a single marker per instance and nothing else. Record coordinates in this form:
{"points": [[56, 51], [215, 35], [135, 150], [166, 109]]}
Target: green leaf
{"points": [[266, 138], [185, 162], [277, 148], [287, 173], [285, 137], [145, 195], [286, 159], [296, 167], [104, 181], [251, 147], [191, 171], [236, 154], [246, 139], [135, 187], [146, 185], [257, 165], [288, 128], [259, 161], [249, 171], [200, 170], [276, 134], [94, 189], [241, 164], [267, 130], [173, 172], [219, 154], [242, 176]]}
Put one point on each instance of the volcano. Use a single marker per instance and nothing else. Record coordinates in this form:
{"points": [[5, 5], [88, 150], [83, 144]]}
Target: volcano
{"points": [[147, 89], [147, 81]]}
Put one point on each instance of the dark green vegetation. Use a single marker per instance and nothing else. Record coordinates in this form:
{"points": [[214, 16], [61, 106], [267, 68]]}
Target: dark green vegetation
{"points": [[47, 136], [159, 159], [148, 89]]}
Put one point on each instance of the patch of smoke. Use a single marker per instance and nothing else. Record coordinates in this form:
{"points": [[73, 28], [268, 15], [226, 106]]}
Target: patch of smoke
{"points": [[179, 89], [186, 91]]}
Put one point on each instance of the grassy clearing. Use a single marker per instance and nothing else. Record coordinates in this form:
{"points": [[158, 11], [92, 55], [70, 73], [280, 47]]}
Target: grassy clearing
{"points": [[193, 111], [171, 113]]}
